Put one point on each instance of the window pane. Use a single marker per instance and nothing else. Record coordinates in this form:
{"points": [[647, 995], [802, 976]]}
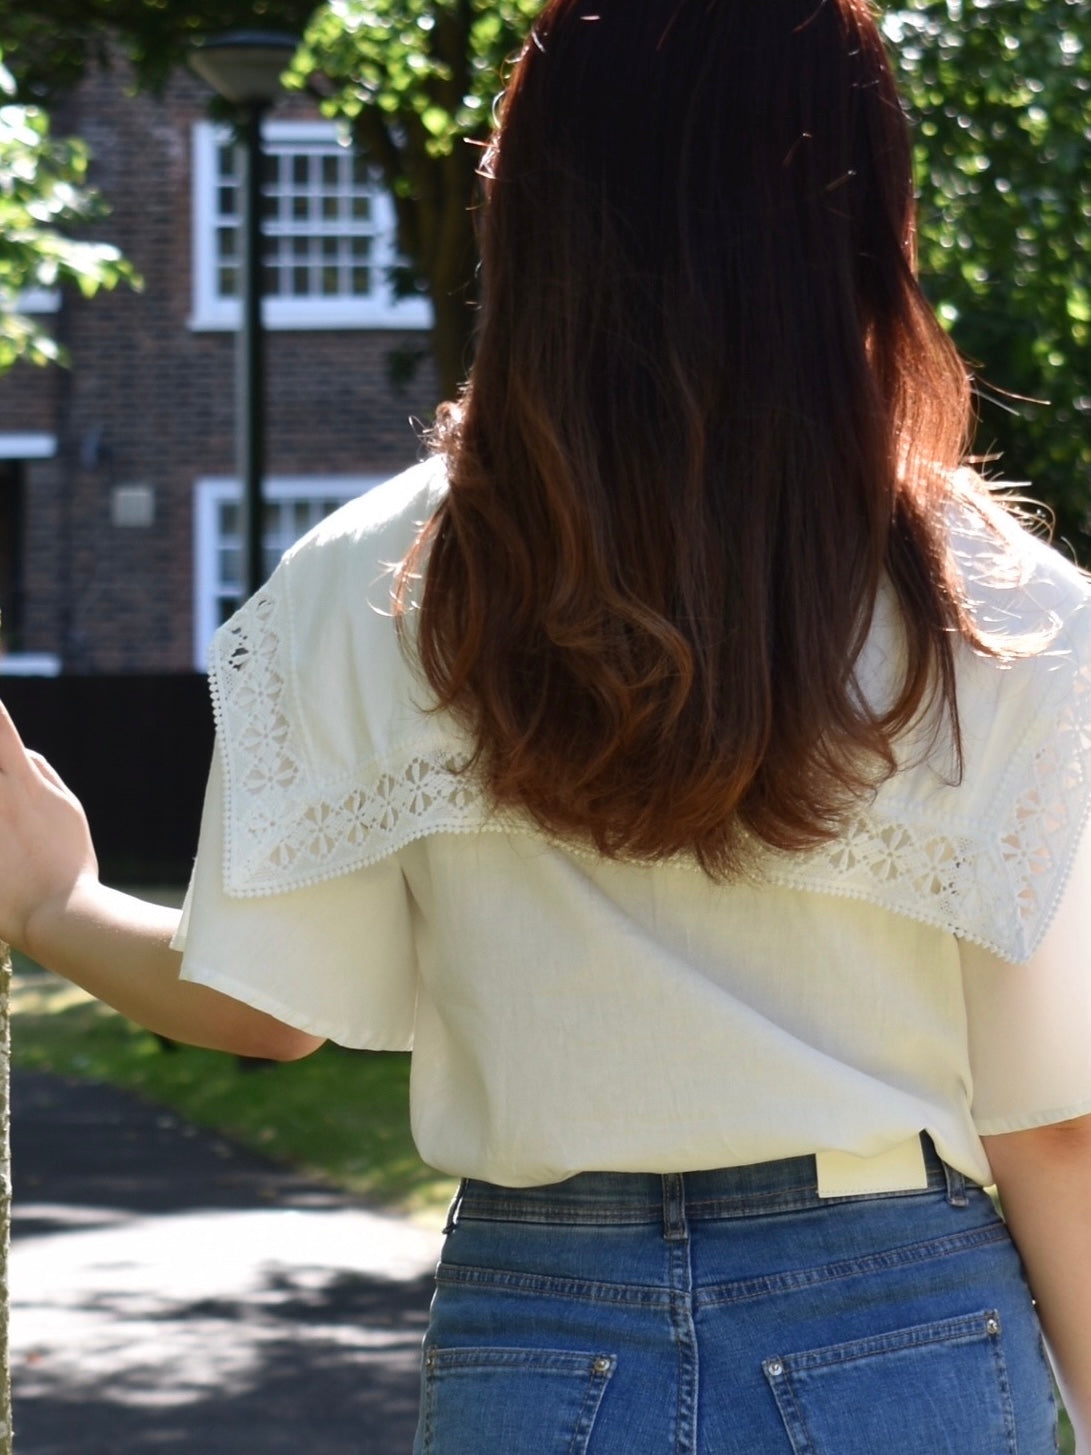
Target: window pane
{"points": [[285, 519], [226, 606], [318, 212], [229, 566]]}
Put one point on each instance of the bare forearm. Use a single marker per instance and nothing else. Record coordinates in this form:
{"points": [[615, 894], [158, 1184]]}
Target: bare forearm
{"points": [[1044, 1179], [53, 907], [117, 947]]}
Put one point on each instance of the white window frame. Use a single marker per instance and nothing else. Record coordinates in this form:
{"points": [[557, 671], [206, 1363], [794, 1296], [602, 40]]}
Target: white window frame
{"points": [[39, 300], [16, 445], [213, 491], [212, 311], [29, 664]]}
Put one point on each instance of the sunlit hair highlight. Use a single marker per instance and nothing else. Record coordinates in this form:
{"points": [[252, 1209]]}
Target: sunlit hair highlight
{"points": [[710, 410]]}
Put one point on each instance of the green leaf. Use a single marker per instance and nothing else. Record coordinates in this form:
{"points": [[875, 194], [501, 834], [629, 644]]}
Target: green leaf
{"points": [[42, 195]]}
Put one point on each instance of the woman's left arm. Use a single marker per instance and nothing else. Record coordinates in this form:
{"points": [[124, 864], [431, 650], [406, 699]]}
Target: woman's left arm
{"points": [[1044, 1180], [54, 908]]}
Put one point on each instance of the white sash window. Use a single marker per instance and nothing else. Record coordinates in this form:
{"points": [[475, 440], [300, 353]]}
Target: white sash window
{"points": [[292, 507], [329, 234]]}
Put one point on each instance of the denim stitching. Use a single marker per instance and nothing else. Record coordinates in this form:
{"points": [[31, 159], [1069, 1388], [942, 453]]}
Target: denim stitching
{"points": [[500, 1211], [428, 1402], [964, 1329], [793, 1281], [587, 1290], [1006, 1397], [601, 1370], [970, 1329], [797, 1280], [595, 1370], [795, 1424], [680, 1273], [760, 1203]]}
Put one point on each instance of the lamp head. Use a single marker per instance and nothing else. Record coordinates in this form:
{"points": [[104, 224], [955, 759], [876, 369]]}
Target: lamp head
{"points": [[244, 66]]}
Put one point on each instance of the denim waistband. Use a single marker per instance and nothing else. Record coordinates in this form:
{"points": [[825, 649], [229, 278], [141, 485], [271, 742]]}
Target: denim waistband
{"points": [[651, 1197]]}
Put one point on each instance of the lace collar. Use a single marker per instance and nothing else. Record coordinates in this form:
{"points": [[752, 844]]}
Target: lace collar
{"points": [[331, 764]]}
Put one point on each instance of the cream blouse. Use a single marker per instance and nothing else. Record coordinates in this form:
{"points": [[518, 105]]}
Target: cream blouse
{"points": [[927, 971]]}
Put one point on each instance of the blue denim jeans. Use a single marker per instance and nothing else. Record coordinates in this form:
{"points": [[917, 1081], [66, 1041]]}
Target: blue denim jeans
{"points": [[732, 1313]]}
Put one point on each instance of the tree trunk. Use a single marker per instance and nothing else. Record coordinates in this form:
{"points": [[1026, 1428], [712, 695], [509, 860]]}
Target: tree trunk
{"points": [[451, 341], [452, 272], [5, 1197]]}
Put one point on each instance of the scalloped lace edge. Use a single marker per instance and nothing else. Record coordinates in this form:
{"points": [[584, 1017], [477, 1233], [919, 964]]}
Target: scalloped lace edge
{"points": [[282, 832]]}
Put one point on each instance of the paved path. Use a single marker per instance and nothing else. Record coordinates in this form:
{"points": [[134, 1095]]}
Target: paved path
{"points": [[171, 1292]]}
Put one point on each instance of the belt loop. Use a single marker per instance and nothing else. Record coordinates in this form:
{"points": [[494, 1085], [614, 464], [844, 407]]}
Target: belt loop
{"points": [[674, 1207], [453, 1210], [956, 1187]]}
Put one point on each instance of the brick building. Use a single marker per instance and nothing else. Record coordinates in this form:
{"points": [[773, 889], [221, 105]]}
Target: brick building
{"points": [[119, 521]]}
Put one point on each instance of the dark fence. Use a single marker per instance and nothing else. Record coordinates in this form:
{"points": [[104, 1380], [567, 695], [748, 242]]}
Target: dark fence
{"points": [[135, 750]]}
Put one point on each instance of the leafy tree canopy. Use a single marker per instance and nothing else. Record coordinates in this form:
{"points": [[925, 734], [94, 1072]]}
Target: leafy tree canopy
{"points": [[43, 193], [50, 44], [1000, 91], [1001, 94], [416, 80]]}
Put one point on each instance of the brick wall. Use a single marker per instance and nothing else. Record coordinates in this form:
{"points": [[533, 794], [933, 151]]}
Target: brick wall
{"points": [[149, 401]]}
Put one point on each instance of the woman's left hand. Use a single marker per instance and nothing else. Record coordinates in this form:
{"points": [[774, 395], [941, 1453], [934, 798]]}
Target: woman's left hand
{"points": [[45, 842]]}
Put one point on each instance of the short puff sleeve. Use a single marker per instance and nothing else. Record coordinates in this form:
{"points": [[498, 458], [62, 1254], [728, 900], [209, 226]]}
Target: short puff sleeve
{"points": [[325, 770], [1030, 1025], [333, 958]]}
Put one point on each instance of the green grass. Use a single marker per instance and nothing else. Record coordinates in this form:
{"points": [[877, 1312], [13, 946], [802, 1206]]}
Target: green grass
{"points": [[1067, 1445], [339, 1115]]}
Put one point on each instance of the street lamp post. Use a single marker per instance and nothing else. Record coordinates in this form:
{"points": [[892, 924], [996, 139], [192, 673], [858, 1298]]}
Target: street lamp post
{"points": [[244, 67]]}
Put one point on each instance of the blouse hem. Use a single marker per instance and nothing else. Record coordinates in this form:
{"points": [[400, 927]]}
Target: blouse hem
{"points": [[1001, 1126], [312, 1025]]}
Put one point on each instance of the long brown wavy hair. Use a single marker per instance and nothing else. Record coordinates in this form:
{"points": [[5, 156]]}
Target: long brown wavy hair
{"points": [[710, 410]]}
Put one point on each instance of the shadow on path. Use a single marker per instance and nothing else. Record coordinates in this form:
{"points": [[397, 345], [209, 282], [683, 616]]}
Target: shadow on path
{"points": [[171, 1291]]}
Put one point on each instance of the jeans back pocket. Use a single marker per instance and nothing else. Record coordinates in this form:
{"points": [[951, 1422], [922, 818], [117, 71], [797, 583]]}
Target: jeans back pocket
{"points": [[935, 1389], [510, 1401]]}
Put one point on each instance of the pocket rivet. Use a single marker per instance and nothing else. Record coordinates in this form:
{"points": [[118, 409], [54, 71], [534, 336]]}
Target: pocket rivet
{"points": [[601, 1365], [774, 1367], [992, 1326]]}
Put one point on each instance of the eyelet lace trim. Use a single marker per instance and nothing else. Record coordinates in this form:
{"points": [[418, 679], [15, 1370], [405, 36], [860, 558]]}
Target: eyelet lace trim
{"points": [[997, 882], [283, 830]]}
